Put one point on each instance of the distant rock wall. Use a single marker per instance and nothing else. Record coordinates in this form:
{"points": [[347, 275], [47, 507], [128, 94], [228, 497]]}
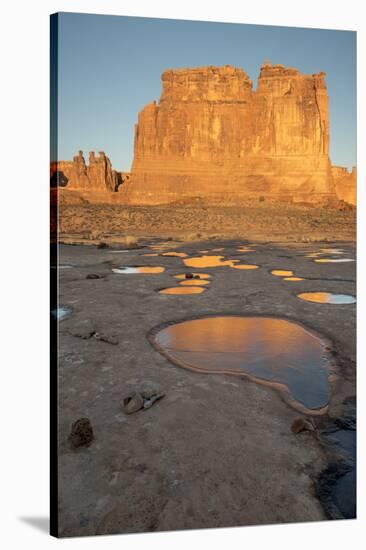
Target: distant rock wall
{"points": [[77, 175], [345, 183], [212, 136]]}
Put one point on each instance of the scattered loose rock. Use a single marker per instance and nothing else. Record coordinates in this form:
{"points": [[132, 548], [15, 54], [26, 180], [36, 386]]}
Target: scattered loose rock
{"points": [[150, 401], [93, 276], [301, 424], [189, 276], [83, 332], [132, 403], [81, 434], [106, 338], [144, 398], [149, 389]]}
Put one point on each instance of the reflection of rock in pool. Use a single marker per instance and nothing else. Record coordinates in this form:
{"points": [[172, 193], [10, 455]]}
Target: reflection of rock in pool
{"points": [[195, 282], [327, 298], [183, 290], [293, 279], [245, 249], [175, 254], [332, 251], [244, 266], [145, 269], [209, 261], [60, 313], [270, 350], [333, 260], [190, 275], [282, 273], [216, 261]]}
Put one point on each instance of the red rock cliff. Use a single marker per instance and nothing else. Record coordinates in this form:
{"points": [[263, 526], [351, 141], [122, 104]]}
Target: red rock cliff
{"points": [[345, 184], [77, 175], [211, 135]]}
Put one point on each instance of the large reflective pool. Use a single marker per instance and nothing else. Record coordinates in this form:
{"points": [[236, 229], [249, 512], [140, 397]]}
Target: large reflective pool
{"points": [[276, 351]]}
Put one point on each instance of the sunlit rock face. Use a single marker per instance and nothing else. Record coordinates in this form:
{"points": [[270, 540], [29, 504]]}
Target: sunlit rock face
{"points": [[96, 176], [211, 135], [345, 184]]}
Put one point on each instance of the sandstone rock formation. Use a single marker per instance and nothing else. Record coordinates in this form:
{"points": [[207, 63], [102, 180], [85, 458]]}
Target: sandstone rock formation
{"points": [[345, 184], [77, 175], [212, 135], [214, 138]]}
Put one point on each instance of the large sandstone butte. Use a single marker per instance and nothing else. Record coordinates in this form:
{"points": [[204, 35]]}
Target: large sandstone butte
{"points": [[212, 136]]}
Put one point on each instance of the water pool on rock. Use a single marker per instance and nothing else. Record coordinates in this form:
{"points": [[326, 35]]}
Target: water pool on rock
{"points": [[209, 261], [216, 261], [182, 290], [282, 273], [195, 282], [146, 269], [268, 350], [327, 298]]}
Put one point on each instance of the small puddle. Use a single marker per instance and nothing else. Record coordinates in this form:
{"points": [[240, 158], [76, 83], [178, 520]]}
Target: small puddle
{"points": [[216, 261], [195, 282], [270, 351], [192, 276], [323, 251], [147, 270], [282, 273], [152, 254], [327, 298], [60, 313], [183, 290], [245, 249], [175, 254], [209, 261], [244, 266], [293, 279], [333, 260], [332, 251]]}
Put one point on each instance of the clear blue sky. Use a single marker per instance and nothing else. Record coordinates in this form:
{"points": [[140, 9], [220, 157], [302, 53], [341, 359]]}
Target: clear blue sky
{"points": [[110, 67]]}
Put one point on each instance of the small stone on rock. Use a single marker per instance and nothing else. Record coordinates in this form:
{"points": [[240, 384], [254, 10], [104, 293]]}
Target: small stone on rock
{"points": [[106, 338], [302, 424], [132, 403], [149, 389], [81, 434], [93, 276], [150, 401]]}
